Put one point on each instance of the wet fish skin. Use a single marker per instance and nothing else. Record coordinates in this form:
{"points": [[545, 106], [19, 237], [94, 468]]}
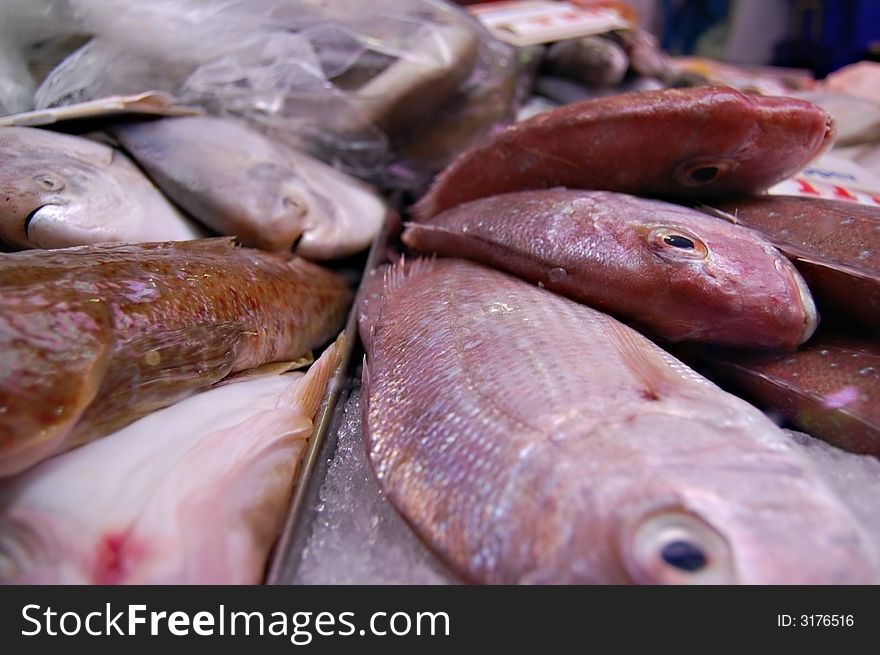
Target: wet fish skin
{"points": [[610, 251], [421, 81], [834, 243], [243, 184], [829, 388], [643, 51], [61, 191], [581, 453], [592, 60], [199, 491], [687, 143], [143, 326]]}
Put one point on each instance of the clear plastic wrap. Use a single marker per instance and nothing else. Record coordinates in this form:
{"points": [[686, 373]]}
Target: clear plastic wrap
{"points": [[30, 31], [385, 90]]}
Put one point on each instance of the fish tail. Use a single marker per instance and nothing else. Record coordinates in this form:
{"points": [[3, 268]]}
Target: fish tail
{"points": [[308, 392]]}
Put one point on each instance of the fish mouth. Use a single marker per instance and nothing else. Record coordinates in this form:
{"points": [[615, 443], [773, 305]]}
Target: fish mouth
{"points": [[829, 137], [811, 314], [30, 217]]}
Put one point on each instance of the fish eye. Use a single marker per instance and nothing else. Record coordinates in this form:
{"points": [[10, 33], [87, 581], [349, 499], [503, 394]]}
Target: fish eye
{"points": [[678, 243], [684, 555], [701, 173], [704, 174], [49, 181], [674, 546]]}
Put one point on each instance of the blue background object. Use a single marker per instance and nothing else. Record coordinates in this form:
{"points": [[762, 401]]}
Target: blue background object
{"points": [[823, 35]]}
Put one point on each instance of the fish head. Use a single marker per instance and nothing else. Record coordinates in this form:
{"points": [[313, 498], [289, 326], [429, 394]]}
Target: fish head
{"points": [[344, 214], [29, 191], [747, 143], [736, 288], [45, 185], [282, 200], [718, 517]]}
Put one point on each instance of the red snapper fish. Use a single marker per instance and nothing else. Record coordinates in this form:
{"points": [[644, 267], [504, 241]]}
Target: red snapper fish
{"points": [[687, 143], [531, 439], [830, 388], [671, 270]]}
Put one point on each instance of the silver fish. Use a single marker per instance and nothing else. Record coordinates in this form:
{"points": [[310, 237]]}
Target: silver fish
{"points": [[243, 184], [61, 191]]}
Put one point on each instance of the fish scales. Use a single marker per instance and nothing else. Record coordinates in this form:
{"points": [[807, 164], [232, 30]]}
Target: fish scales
{"points": [[531, 439], [689, 143], [674, 271], [168, 319]]}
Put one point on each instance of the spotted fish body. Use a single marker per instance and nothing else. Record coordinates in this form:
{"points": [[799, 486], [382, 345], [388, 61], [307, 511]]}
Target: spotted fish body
{"points": [[834, 243], [95, 337], [687, 143], [530, 439], [829, 388], [672, 270]]}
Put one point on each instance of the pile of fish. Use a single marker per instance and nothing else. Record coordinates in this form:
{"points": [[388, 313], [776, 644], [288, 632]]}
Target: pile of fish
{"points": [[62, 190], [596, 66], [168, 268], [121, 459], [533, 438]]}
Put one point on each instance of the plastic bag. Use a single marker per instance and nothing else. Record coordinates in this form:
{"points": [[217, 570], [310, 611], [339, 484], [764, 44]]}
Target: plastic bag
{"points": [[31, 32], [366, 86]]}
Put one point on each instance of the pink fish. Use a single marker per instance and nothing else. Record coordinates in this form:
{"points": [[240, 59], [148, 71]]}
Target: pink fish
{"points": [[527, 438], [672, 270], [689, 143]]}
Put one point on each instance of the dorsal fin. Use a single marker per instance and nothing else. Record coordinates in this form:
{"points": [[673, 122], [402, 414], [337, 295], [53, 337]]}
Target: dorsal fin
{"points": [[381, 282]]}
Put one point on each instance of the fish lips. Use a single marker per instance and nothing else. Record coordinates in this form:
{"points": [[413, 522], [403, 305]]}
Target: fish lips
{"points": [[19, 231], [811, 314], [30, 230]]}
